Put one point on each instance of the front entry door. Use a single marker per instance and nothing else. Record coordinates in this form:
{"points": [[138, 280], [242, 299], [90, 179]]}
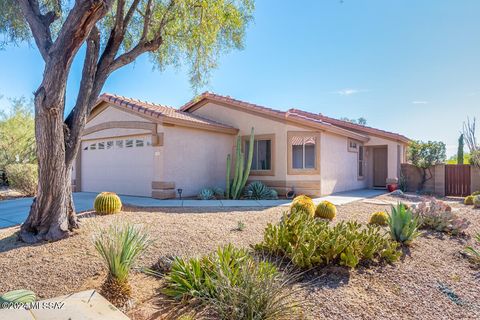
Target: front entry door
{"points": [[380, 171]]}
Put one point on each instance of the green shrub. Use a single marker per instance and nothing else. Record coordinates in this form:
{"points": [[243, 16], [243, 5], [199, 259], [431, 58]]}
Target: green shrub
{"points": [[326, 210], [107, 203], [379, 218], [206, 194], [234, 284], [119, 246], [475, 254], [23, 178], [304, 204], [310, 242], [469, 200], [259, 191], [476, 193], [437, 215], [403, 224], [476, 202], [17, 296]]}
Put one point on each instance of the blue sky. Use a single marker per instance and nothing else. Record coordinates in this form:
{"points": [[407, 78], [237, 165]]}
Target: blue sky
{"points": [[406, 66]]}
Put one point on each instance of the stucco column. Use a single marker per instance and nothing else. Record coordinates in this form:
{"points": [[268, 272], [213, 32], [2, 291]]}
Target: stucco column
{"points": [[439, 174], [392, 165]]}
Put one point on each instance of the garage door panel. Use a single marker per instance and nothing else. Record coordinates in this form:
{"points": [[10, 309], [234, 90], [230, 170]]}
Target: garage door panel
{"points": [[124, 166]]}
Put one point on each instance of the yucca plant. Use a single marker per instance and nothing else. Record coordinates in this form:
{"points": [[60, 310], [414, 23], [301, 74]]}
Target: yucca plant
{"points": [[403, 224], [259, 191], [119, 246], [474, 252]]}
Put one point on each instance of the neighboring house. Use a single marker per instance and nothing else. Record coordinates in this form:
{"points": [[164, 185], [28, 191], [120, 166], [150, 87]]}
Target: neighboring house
{"points": [[138, 148]]}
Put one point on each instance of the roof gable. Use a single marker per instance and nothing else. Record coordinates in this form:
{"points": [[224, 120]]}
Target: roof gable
{"points": [[163, 114], [346, 128]]}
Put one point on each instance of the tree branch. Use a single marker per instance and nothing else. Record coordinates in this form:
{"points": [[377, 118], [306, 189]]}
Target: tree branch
{"points": [[76, 122], [39, 25]]}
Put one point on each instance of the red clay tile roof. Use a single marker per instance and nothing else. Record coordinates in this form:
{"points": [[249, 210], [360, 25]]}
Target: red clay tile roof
{"points": [[161, 111], [298, 114], [350, 126]]}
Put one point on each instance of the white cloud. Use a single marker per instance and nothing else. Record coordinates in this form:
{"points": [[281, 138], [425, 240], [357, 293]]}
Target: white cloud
{"points": [[348, 91], [419, 102]]}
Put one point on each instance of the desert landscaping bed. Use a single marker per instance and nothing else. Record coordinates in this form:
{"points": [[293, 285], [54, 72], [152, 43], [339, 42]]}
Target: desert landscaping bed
{"points": [[433, 280]]}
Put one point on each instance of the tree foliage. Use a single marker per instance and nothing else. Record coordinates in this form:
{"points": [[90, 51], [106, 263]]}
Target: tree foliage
{"points": [[17, 134], [469, 132], [175, 32], [426, 154], [361, 121]]}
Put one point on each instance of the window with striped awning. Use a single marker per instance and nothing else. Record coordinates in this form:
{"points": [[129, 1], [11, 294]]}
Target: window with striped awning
{"points": [[303, 152]]}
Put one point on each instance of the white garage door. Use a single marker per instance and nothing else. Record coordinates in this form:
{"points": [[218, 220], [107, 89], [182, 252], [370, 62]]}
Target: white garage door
{"points": [[124, 166]]}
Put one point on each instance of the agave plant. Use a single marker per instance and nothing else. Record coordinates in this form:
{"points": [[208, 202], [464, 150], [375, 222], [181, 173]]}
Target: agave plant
{"points": [[474, 252], [119, 246], [206, 194], [259, 191], [17, 296], [403, 224]]}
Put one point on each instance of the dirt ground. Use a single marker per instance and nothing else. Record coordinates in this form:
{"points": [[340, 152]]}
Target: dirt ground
{"points": [[433, 280]]}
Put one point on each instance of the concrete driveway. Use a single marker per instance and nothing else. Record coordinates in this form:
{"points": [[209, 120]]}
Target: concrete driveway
{"points": [[14, 212]]}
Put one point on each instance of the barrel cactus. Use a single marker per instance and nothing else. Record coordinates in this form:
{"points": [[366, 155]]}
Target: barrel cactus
{"points": [[379, 218], [476, 202], [326, 210], [469, 200], [17, 296], [206, 194], [107, 203], [303, 203]]}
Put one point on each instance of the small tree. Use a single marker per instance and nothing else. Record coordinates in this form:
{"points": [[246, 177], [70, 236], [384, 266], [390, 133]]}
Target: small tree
{"points": [[424, 155], [471, 140], [17, 135], [460, 155]]}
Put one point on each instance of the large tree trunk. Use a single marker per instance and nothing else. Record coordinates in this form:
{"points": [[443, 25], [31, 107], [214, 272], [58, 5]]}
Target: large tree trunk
{"points": [[52, 213]]}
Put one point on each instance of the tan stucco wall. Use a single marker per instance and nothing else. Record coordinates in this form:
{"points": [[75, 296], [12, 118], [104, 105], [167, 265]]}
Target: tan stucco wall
{"points": [[339, 167], [244, 122], [113, 114], [193, 159]]}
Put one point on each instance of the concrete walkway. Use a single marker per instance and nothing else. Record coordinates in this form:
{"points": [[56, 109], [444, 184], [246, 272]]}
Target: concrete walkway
{"points": [[82, 305], [14, 212]]}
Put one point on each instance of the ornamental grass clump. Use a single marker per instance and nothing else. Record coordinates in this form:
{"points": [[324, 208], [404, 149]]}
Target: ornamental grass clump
{"points": [[474, 253], [235, 285], [304, 204], [308, 242], [403, 224], [119, 246]]}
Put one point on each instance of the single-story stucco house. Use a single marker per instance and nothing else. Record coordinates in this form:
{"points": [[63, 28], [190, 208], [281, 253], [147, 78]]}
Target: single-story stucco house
{"points": [[133, 147]]}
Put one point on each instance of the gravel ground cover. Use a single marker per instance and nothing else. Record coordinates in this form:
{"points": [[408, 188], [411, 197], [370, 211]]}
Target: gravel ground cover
{"points": [[433, 280]]}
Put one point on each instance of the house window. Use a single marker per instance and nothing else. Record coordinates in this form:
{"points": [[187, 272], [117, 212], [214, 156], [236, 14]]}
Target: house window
{"points": [[101, 145], [303, 152], [109, 144], [263, 153], [128, 143], [353, 145], [361, 162], [119, 143], [139, 143]]}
